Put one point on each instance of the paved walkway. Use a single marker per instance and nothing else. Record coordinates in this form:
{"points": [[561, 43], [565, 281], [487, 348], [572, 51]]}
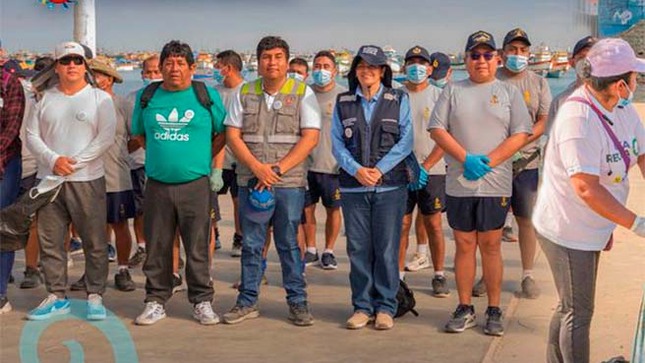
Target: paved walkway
{"points": [[271, 338]]}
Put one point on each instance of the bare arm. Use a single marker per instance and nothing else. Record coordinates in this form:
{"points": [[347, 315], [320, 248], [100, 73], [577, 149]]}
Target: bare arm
{"points": [[598, 198], [300, 151], [538, 128], [217, 144], [447, 143], [507, 148], [218, 160], [435, 155], [641, 164]]}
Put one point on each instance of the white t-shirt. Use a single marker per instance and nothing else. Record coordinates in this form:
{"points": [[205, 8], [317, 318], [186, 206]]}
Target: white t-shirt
{"points": [[29, 165], [578, 143], [309, 110], [228, 95], [80, 126]]}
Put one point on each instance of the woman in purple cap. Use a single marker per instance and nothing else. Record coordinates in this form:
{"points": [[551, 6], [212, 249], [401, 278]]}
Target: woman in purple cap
{"points": [[596, 138]]}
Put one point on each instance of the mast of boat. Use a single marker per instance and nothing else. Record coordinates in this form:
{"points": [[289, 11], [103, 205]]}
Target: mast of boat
{"points": [[85, 23]]}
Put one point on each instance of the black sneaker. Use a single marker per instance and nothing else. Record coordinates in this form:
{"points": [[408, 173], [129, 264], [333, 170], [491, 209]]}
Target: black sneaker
{"points": [[138, 258], [123, 281], [11, 279], [299, 314], [463, 318], [177, 283], [236, 251], [494, 322], [32, 278], [310, 258], [79, 285], [328, 261], [440, 287]]}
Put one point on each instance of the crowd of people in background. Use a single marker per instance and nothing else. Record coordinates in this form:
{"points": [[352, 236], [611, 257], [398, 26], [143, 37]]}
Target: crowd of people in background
{"points": [[371, 152]]}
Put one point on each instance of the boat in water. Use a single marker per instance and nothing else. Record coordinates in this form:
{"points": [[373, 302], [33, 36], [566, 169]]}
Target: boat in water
{"points": [[457, 61], [559, 64], [204, 67], [393, 59], [540, 61]]}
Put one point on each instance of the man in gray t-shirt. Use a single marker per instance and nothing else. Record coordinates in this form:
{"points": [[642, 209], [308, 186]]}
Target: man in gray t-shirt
{"points": [[480, 123], [322, 177], [537, 95]]}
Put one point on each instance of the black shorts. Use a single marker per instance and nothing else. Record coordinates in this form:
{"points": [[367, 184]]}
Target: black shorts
{"points": [[27, 183], [431, 199], [323, 186], [479, 214], [230, 182], [138, 177], [120, 206], [525, 186]]}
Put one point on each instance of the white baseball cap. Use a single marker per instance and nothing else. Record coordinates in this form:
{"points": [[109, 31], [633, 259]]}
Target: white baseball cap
{"points": [[612, 57], [68, 48]]}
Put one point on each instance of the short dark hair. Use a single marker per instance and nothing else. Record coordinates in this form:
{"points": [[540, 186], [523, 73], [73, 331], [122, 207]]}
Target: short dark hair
{"points": [[326, 54], [43, 62], [230, 58], [300, 62], [600, 83], [176, 48], [271, 42]]}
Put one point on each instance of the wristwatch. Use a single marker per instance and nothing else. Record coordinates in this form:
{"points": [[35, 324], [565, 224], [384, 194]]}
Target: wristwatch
{"points": [[276, 169]]}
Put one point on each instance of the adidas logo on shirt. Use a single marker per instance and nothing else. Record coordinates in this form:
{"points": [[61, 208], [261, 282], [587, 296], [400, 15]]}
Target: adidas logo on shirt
{"points": [[173, 124]]}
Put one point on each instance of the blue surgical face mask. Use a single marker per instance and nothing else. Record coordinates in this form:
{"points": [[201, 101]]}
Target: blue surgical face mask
{"points": [[321, 77], [516, 63], [441, 83], [624, 102], [218, 76], [416, 73], [296, 76], [147, 81]]}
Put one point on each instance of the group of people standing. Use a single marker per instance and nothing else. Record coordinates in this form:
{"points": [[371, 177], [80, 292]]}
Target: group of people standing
{"points": [[469, 148]]}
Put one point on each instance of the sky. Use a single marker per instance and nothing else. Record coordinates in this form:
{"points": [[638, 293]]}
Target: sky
{"points": [[307, 25]]}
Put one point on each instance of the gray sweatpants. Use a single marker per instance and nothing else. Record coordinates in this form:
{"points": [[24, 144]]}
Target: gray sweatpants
{"points": [[166, 208], [83, 205], [574, 273]]}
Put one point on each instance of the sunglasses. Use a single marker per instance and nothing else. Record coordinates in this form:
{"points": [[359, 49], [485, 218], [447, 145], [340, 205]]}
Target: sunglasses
{"points": [[68, 60], [487, 56]]}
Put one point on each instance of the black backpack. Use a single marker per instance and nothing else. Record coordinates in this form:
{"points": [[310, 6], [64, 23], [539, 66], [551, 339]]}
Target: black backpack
{"points": [[200, 91], [405, 299]]}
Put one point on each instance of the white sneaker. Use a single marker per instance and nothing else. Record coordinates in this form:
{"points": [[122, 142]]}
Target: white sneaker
{"points": [[151, 314], [203, 312], [418, 262]]}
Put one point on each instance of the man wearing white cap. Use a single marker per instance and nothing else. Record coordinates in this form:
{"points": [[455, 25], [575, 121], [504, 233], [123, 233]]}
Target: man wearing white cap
{"points": [[72, 110], [595, 139]]}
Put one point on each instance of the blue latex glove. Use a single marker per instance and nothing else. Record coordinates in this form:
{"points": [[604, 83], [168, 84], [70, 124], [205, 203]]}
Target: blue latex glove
{"points": [[216, 180], [421, 182], [476, 166]]}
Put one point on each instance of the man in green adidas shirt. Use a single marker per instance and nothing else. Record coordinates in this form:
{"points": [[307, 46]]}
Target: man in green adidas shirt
{"points": [[181, 137]]}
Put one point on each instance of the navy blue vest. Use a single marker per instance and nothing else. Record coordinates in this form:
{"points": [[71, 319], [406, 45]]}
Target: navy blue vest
{"points": [[368, 143]]}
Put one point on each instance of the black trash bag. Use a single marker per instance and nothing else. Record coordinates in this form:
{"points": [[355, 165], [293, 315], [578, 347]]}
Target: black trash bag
{"points": [[16, 219], [406, 300]]}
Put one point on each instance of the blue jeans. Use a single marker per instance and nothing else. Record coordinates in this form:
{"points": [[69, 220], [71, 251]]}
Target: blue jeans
{"points": [[373, 226], [289, 203], [9, 188]]}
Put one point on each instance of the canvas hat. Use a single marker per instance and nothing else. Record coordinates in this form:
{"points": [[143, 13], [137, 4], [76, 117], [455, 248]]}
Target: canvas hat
{"points": [[102, 67], [612, 57]]}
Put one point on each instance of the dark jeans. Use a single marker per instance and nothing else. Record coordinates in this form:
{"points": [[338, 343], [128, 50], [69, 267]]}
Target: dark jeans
{"points": [[373, 226], [9, 188], [168, 207], [286, 218], [574, 273], [83, 205]]}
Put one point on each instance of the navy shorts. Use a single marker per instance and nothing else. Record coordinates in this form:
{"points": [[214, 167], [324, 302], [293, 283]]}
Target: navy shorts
{"points": [[431, 199], [525, 186], [120, 206], [230, 183], [138, 177], [27, 183], [215, 214], [481, 214], [323, 186]]}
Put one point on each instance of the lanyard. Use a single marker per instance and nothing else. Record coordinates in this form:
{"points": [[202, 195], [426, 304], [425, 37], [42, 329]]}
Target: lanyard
{"points": [[605, 121]]}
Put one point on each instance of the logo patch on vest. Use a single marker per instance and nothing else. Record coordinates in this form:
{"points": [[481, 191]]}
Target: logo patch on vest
{"points": [[288, 101], [390, 97], [349, 121], [347, 98], [277, 105], [348, 132]]}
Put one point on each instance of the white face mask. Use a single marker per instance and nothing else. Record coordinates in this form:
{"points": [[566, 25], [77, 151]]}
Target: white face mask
{"points": [[296, 76]]}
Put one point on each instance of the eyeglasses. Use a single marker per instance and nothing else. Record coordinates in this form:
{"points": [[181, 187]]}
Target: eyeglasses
{"points": [[487, 56], [68, 60]]}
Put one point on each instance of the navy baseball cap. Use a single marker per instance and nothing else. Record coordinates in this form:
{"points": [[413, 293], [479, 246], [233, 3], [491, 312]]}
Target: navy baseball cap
{"points": [[516, 34], [441, 64], [418, 52], [583, 43], [480, 38], [372, 54]]}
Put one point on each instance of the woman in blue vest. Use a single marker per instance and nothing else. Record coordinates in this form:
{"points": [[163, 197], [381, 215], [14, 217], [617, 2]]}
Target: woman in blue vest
{"points": [[371, 137]]}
